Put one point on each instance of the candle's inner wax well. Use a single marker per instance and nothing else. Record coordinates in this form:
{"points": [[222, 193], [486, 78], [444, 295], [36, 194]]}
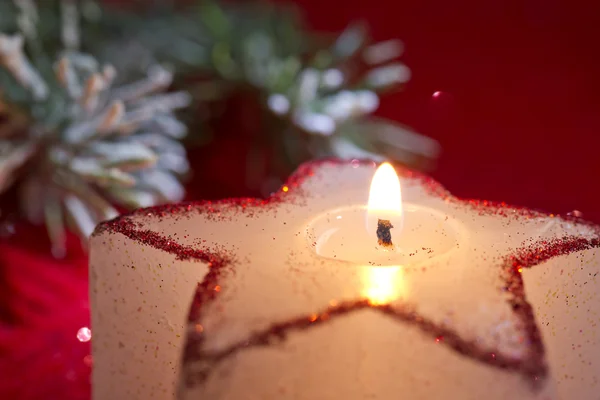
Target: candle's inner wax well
{"points": [[348, 234]]}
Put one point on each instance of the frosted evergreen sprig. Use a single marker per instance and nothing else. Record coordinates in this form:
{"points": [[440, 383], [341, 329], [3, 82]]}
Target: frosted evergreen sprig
{"points": [[320, 90], [78, 146]]}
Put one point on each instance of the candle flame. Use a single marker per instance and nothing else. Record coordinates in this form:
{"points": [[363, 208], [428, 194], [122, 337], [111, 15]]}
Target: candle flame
{"points": [[382, 285], [385, 202], [385, 194]]}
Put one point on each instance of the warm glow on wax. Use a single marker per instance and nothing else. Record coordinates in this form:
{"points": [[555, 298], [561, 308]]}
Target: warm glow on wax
{"points": [[382, 285]]}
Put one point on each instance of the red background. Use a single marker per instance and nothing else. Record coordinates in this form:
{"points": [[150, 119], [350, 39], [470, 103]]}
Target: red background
{"points": [[518, 120]]}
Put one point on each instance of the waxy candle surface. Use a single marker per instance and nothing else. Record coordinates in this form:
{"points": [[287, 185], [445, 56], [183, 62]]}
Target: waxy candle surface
{"points": [[477, 300]]}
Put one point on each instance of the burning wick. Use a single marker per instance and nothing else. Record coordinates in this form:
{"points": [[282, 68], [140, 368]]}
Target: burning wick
{"points": [[384, 236]]}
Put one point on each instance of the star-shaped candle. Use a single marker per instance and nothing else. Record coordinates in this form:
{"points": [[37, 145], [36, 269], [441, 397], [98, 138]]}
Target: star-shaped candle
{"points": [[349, 283]]}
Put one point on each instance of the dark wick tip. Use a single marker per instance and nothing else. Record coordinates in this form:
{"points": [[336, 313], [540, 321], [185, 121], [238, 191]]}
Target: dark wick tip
{"points": [[384, 236]]}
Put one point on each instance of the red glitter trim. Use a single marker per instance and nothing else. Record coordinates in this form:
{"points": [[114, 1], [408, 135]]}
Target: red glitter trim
{"points": [[207, 361], [293, 195], [532, 366], [167, 244]]}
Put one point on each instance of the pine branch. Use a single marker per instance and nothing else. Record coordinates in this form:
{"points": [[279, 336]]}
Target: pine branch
{"points": [[314, 84], [82, 142]]}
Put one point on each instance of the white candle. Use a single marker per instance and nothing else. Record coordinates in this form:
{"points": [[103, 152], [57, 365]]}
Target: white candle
{"points": [[293, 298]]}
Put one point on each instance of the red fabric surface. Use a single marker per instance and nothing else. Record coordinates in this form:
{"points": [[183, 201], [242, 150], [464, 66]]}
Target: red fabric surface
{"points": [[44, 304], [518, 119]]}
